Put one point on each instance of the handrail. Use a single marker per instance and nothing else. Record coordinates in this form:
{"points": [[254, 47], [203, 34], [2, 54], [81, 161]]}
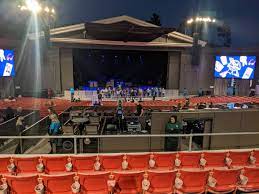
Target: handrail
{"points": [[33, 112], [122, 136]]}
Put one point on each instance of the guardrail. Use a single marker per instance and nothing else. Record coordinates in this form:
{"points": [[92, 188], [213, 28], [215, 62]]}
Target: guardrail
{"points": [[75, 138]]}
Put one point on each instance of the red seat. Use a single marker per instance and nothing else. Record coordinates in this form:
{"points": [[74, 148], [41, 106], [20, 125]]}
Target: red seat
{"points": [[111, 162], [240, 158], [95, 183], [26, 165], [194, 181], [165, 160], [55, 165], [58, 184], [158, 183], [83, 163], [253, 180], [22, 184], [190, 159], [4, 162], [138, 161], [256, 155], [215, 159], [226, 180], [129, 182]]}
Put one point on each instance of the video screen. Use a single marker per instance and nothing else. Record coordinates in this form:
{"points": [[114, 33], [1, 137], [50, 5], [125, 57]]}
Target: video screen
{"points": [[242, 67], [7, 63]]}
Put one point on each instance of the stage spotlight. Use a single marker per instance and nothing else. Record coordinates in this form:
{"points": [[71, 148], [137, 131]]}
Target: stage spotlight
{"points": [[33, 6], [47, 9]]}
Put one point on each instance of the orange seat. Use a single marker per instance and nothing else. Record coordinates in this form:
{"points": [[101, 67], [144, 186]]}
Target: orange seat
{"points": [[22, 184], [138, 161], [194, 181], [83, 163], [158, 183], [253, 180], [256, 154], [239, 158], [165, 160], [55, 164], [58, 184], [190, 159], [129, 182], [226, 180], [26, 165], [215, 159], [4, 162], [111, 162], [94, 183]]}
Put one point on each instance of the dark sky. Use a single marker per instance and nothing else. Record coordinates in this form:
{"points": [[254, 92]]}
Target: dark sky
{"points": [[241, 15]]}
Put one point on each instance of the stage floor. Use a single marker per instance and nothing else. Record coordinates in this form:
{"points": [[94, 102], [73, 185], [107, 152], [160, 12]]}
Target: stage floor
{"points": [[63, 104]]}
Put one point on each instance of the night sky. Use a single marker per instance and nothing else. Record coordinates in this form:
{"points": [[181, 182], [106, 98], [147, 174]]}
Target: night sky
{"points": [[241, 15]]}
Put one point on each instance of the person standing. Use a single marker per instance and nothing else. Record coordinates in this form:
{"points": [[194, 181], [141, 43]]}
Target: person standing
{"points": [[72, 94], [172, 127], [54, 128], [139, 109], [20, 126]]}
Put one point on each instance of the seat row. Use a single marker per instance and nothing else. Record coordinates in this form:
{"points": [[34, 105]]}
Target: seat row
{"points": [[133, 182], [112, 162]]}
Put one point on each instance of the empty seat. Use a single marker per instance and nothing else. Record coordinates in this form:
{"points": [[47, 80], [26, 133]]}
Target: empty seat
{"points": [[193, 181], [111, 162], [215, 159], [164, 160], [190, 160], [158, 183], [95, 183], [22, 184], [54, 165], [256, 155], [240, 158], [138, 161], [83, 163], [253, 180], [4, 162], [129, 182], [26, 165], [58, 184], [226, 180]]}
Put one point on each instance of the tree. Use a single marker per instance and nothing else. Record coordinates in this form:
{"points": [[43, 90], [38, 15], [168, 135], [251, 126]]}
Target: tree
{"points": [[155, 19]]}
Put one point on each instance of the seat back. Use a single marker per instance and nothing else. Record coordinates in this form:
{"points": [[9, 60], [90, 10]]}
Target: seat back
{"points": [[4, 162], [226, 177], [190, 160], [55, 184], [83, 163], [239, 158], [253, 175], [96, 182], [215, 159], [164, 160], [26, 165], [197, 179], [55, 164], [256, 154], [21, 184], [111, 162], [129, 181], [157, 180], [138, 161]]}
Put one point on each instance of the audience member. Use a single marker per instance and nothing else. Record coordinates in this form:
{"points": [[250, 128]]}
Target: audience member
{"points": [[9, 113], [139, 109], [172, 127]]}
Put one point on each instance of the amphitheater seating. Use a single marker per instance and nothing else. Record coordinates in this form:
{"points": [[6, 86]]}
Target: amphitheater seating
{"points": [[158, 183], [22, 184], [57, 179], [94, 183]]}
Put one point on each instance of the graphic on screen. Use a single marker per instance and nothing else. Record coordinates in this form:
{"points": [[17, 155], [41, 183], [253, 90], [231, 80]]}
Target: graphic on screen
{"points": [[242, 67], [6, 63]]}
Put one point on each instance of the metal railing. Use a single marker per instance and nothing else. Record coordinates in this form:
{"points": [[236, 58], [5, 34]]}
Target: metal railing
{"points": [[116, 137]]}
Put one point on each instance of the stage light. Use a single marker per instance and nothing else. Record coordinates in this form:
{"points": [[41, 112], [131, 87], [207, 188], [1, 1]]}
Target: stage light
{"points": [[53, 11], [201, 20], [47, 9], [33, 6]]}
